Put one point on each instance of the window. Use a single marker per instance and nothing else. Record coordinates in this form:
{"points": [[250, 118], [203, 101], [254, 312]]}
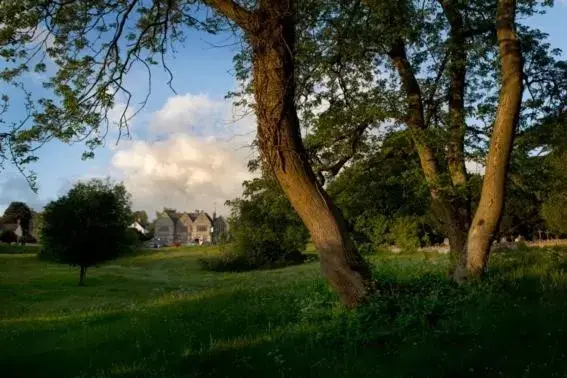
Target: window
{"points": [[201, 228], [163, 229]]}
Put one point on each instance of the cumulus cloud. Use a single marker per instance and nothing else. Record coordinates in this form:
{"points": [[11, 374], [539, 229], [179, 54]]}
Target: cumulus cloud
{"points": [[198, 115], [198, 160]]}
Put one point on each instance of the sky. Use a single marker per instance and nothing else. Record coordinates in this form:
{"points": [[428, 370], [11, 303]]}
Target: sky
{"points": [[187, 149]]}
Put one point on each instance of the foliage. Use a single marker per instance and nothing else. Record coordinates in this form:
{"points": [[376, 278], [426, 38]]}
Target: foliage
{"points": [[404, 232], [88, 225], [265, 231], [83, 51], [554, 211], [169, 319], [142, 217], [387, 185], [374, 228], [8, 236]]}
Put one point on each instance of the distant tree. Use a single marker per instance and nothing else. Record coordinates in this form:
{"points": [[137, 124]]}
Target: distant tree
{"points": [[554, 207], [554, 212], [386, 185], [88, 225], [142, 217], [265, 231], [21, 211]]}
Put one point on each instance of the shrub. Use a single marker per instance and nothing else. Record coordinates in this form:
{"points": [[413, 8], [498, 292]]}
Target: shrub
{"points": [[258, 255], [404, 232]]}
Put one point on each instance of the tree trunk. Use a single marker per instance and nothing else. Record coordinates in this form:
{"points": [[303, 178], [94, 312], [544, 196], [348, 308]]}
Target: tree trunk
{"points": [[489, 211], [272, 40], [83, 276], [445, 205], [461, 199]]}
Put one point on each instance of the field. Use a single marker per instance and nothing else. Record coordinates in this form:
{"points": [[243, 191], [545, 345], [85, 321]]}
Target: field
{"points": [[156, 314]]}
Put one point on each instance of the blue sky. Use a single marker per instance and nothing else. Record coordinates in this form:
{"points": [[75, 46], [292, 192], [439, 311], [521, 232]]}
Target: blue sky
{"points": [[187, 150]]}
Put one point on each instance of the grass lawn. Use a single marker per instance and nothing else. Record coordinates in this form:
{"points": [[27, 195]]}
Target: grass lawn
{"points": [[156, 314]]}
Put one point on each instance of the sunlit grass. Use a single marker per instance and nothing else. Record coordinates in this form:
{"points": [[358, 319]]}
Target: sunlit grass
{"points": [[156, 314]]}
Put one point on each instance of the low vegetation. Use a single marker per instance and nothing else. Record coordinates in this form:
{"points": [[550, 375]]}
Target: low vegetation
{"points": [[168, 318], [265, 232]]}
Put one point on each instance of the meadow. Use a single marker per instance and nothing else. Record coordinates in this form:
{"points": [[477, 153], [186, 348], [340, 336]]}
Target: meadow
{"points": [[157, 314]]}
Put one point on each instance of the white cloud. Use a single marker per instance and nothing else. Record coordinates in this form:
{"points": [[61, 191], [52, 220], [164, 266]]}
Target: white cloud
{"points": [[196, 114], [474, 167], [198, 162]]}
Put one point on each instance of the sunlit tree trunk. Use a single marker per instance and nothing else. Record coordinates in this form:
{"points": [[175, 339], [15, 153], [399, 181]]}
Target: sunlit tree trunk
{"points": [[271, 33], [489, 211]]}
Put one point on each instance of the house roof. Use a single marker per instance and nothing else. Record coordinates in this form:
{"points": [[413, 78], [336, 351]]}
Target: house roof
{"points": [[193, 216], [208, 216]]}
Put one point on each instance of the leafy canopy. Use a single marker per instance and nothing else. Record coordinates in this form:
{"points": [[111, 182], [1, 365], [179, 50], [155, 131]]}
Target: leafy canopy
{"points": [[88, 225]]}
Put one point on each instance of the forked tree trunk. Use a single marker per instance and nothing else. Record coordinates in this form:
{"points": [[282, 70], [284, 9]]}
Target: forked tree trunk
{"points": [[448, 210], [281, 147], [460, 201], [83, 276], [489, 211]]}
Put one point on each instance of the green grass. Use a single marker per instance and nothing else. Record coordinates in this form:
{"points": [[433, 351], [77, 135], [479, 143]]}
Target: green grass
{"points": [[156, 314], [16, 249]]}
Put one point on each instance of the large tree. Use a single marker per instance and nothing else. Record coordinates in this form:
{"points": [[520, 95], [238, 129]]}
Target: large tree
{"points": [[432, 67], [95, 43]]}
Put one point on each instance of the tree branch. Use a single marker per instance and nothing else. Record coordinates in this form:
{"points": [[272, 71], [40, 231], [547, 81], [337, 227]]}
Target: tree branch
{"points": [[233, 11], [397, 53]]}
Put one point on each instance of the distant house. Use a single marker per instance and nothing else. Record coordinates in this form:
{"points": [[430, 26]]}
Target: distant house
{"points": [[15, 228], [184, 228], [137, 226]]}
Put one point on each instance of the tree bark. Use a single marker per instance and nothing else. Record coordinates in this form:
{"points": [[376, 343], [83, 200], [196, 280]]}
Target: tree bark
{"points": [[461, 197], [83, 276], [272, 37], [445, 206], [491, 204]]}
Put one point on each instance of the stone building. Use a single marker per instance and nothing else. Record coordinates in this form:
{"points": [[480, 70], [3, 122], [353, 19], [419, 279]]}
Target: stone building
{"points": [[184, 228]]}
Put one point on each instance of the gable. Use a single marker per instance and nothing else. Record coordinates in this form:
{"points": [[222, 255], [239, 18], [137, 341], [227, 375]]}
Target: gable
{"points": [[186, 219], [164, 221], [204, 218]]}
